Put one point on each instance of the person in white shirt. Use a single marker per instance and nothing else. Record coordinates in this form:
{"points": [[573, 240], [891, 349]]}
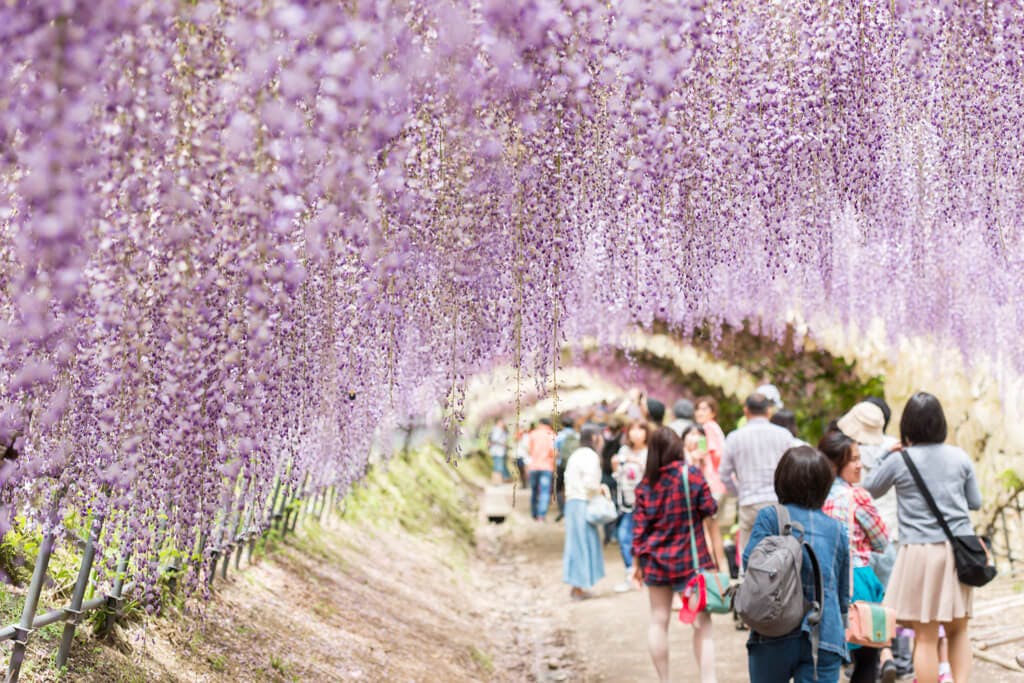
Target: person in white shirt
{"points": [[582, 556], [752, 453], [497, 444]]}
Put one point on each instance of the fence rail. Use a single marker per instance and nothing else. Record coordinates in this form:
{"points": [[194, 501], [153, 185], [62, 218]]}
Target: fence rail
{"points": [[1006, 529], [283, 518]]}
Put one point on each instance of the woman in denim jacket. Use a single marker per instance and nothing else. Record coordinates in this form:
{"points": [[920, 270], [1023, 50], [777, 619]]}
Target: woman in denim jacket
{"points": [[803, 479]]}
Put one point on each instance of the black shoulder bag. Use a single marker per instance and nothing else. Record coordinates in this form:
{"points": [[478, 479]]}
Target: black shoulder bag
{"points": [[969, 552]]}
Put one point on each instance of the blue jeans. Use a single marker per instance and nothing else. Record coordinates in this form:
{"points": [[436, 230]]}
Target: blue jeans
{"points": [[624, 534], [775, 660], [501, 466], [540, 493]]}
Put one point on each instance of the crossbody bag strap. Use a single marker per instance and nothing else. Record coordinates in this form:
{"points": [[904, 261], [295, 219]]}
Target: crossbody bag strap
{"points": [[689, 514], [927, 494]]}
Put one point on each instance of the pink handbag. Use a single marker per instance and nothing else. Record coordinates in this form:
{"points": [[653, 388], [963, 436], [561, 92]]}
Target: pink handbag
{"points": [[869, 624]]}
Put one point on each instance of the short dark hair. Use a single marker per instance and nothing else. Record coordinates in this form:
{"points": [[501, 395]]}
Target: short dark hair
{"points": [[691, 428], [589, 435], [786, 419], [655, 410], [923, 420], [664, 447], [758, 404], [803, 477], [837, 447], [886, 410]]}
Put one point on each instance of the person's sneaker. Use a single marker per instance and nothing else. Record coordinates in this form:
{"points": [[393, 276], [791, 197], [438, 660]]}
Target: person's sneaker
{"points": [[946, 677], [889, 673], [623, 587]]}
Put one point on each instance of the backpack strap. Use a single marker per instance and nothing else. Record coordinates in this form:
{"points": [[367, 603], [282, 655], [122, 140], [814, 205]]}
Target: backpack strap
{"points": [[785, 525]]}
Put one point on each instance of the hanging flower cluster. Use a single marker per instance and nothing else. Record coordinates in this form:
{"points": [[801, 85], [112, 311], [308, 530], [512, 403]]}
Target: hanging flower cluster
{"points": [[237, 240]]}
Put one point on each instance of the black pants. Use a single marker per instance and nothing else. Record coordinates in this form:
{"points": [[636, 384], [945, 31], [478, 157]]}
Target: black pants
{"points": [[865, 664], [560, 487], [610, 527]]}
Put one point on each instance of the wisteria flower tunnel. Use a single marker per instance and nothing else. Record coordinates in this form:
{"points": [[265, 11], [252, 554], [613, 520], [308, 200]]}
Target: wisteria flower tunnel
{"points": [[239, 239]]}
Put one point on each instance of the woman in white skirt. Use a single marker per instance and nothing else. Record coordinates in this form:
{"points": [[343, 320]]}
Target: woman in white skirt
{"points": [[924, 589]]}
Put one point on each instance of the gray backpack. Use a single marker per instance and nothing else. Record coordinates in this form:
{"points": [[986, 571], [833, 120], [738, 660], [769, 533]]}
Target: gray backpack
{"points": [[770, 599]]}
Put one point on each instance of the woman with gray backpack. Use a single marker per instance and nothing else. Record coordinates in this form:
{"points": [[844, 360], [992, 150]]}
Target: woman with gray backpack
{"points": [[795, 593]]}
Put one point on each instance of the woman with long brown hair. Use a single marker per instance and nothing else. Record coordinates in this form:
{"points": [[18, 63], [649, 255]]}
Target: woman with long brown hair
{"points": [[665, 521]]}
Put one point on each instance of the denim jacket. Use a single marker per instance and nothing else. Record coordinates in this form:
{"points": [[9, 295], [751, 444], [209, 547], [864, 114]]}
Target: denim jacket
{"points": [[829, 540]]}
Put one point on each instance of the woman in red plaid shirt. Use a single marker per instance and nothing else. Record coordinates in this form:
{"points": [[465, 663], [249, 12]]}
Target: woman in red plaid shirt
{"points": [[661, 545]]}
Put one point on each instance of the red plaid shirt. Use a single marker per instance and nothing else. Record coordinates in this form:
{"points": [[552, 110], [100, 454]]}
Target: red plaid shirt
{"points": [[661, 526], [869, 533]]}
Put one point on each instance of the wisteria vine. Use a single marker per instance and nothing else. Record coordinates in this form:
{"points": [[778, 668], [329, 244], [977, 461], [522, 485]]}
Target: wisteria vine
{"points": [[239, 239]]}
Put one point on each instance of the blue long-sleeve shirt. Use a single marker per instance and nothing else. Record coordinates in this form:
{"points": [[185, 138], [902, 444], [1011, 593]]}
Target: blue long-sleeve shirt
{"points": [[829, 540]]}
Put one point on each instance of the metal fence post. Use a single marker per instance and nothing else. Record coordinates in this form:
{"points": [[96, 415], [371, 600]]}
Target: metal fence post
{"points": [[28, 612], [228, 550], [114, 599], [301, 509], [240, 543], [214, 558], [253, 535], [319, 511], [273, 503], [197, 562], [324, 504], [297, 513], [278, 514], [74, 611], [290, 513]]}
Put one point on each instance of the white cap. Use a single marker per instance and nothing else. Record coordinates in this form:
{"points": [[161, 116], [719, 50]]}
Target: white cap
{"points": [[770, 392]]}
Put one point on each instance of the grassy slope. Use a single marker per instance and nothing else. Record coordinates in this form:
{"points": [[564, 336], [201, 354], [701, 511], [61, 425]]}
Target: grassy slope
{"points": [[415, 513]]}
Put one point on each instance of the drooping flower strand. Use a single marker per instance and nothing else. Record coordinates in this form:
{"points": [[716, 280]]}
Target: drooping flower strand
{"points": [[239, 243]]}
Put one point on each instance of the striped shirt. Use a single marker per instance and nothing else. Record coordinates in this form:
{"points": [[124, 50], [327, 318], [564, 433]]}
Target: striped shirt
{"points": [[751, 455]]}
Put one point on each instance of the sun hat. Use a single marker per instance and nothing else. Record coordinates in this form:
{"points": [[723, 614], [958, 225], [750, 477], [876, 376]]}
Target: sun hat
{"points": [[864, 424]]}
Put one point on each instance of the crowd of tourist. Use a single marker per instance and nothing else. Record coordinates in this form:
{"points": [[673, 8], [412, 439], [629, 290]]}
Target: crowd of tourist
{"points": [[877, 517]]}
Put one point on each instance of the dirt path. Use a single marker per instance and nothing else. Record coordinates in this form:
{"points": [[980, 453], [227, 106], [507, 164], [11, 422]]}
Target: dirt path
{"points": [[608, 633]]}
